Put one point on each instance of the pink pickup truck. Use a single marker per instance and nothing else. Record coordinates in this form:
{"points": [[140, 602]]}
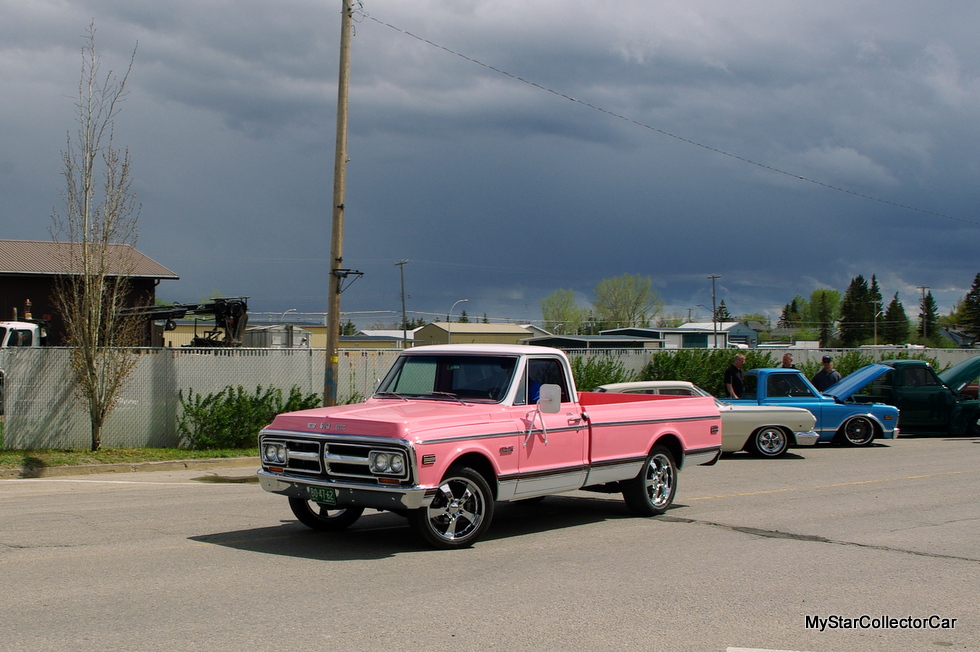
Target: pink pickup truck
{"points": [[454, 428]]}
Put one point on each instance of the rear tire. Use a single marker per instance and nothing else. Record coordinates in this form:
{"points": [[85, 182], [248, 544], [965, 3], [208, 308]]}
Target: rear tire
{"points": [[652, 491], [322, 517]]}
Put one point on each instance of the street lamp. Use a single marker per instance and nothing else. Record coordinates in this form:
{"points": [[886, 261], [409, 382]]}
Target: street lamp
{"points": [[714, 308], [877, 314], [283, 317], [449, 322]]}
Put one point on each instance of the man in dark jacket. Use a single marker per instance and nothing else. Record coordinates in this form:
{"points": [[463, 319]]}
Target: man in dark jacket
{"points": [[735, 377], [827, 376]]}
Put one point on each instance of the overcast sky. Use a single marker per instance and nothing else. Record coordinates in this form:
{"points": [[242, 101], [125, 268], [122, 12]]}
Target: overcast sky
{"points": [[510, 149]]}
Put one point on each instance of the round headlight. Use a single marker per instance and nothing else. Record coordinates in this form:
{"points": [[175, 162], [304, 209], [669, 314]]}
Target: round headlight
{"points": [[397, 464], [269, 452], [380, 462], [281, 453]]}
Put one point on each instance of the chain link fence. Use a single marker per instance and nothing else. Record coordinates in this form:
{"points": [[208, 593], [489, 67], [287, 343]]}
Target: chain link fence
{"points": [[42, 409]]}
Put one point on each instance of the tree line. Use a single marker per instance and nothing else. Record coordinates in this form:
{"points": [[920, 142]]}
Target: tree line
{"points": [[860, 316]]}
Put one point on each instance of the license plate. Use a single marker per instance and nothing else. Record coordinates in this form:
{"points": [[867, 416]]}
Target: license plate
{"points": [[323, 495]]}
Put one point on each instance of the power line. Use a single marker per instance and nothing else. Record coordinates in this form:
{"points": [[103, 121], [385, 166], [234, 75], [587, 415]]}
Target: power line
{"points": [[668, 134]]}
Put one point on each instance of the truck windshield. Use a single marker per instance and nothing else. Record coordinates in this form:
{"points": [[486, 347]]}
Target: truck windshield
{"points": [[468, 377]]}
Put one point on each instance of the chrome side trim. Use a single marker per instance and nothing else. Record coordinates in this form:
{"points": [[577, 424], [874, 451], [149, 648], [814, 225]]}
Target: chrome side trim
{"points": [[614, 472], [699, 458]]}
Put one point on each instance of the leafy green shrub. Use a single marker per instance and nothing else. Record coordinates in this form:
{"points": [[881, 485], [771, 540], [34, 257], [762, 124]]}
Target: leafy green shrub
{"points": [[232, 418], [590, 372]]}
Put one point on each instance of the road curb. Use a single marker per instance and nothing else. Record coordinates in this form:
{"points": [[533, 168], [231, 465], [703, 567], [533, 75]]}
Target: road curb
{"points": [[130, 467]]}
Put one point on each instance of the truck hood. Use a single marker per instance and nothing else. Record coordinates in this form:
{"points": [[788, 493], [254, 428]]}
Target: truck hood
{"points": [[961, 374], [855, 381], [395, 418]]}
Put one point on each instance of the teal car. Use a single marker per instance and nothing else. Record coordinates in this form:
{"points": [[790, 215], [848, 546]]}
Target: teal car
{"points": [[930, 403]]}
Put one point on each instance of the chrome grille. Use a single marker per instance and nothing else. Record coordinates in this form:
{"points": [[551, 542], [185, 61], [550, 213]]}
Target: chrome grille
{"points": [[302, 455], [334, 459], [350, 459]]}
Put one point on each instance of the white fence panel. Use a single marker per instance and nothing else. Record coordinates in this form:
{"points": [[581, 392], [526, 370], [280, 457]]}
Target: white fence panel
{"points": [[42, 409]]}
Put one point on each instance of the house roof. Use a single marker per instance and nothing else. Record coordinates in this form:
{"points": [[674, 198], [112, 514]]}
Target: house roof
{"points": [[473, 327], [709, 326], [386, 332], [45, 257]]}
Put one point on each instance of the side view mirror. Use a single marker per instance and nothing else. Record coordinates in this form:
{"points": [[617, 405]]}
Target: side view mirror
{"points": [[549, 400]]}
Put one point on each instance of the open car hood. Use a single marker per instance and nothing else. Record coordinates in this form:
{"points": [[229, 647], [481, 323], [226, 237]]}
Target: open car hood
{"points": [[959, 375], [854, 382]]}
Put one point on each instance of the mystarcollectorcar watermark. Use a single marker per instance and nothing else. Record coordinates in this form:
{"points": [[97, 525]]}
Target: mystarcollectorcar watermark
{"points": [[836, 621]]}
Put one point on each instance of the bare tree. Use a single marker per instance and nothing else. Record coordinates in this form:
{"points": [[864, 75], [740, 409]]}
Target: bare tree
{"points": [[99, 230]]}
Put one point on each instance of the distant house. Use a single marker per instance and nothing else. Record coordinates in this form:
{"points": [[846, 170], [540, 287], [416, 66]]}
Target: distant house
{"points": [[30, 268], [389, 334], [729, 333], [695, 335], [571, 342], [469, 333]]}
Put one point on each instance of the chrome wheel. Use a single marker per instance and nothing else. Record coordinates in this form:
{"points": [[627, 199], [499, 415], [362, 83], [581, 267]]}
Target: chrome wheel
{"points": [[459, 513], [652, 491], [859, 431], [769, 442]]}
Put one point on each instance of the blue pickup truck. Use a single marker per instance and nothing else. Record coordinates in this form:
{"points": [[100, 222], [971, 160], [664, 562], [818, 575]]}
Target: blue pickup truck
{"points": [[839, 417]]}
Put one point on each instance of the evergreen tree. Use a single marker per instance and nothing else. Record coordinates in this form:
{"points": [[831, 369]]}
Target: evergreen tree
{"points": [[722, 314], [791, 314], [485, 319], [894, 328], [970, 309], [856, 316], [823, 308], [464, 318], [928, 318], [874, 297]]}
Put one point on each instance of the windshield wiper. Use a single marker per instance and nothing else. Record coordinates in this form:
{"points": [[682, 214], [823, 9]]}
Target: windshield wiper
{"points": [[390, 394], [449, 395]]}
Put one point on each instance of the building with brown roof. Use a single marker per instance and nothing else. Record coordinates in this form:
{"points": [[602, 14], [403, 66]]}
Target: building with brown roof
{"points": [[29, 270]]}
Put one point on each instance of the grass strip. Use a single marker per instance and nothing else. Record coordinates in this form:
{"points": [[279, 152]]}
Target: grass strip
{"points": [[18, 459]]}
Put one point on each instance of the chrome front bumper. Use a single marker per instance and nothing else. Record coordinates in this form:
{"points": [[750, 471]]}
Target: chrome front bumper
{"points": [[808, 438], [349, 494]]}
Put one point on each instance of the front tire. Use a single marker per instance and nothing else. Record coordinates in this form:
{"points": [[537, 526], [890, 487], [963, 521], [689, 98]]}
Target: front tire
{"points": [[859, 431], [460, 512], [321, 517], [652, 491], [769, 442]]}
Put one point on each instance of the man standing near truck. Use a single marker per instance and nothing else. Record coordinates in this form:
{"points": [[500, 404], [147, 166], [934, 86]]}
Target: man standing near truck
{"points": [[827, 376], [735, 377]]}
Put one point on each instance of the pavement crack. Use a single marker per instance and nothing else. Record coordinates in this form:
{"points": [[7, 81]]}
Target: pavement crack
{"points": [[812, 538]]}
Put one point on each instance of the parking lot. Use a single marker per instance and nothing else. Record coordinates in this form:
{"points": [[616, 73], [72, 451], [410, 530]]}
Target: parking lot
{"points": [[826, 549]]}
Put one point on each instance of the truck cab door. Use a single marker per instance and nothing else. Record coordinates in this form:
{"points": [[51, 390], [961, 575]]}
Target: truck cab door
{"points": [[553, 441], [924, 401]]}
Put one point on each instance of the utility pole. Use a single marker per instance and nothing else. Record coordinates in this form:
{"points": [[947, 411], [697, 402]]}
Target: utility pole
{"points": [[714, 309], [401, 268], [337, 274]]}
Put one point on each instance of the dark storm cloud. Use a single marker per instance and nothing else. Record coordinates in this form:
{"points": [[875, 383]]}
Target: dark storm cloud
{"points": [[703, 117]]}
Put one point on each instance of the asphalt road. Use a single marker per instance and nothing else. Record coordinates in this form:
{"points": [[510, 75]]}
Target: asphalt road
{"points": [[165, 561]]}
